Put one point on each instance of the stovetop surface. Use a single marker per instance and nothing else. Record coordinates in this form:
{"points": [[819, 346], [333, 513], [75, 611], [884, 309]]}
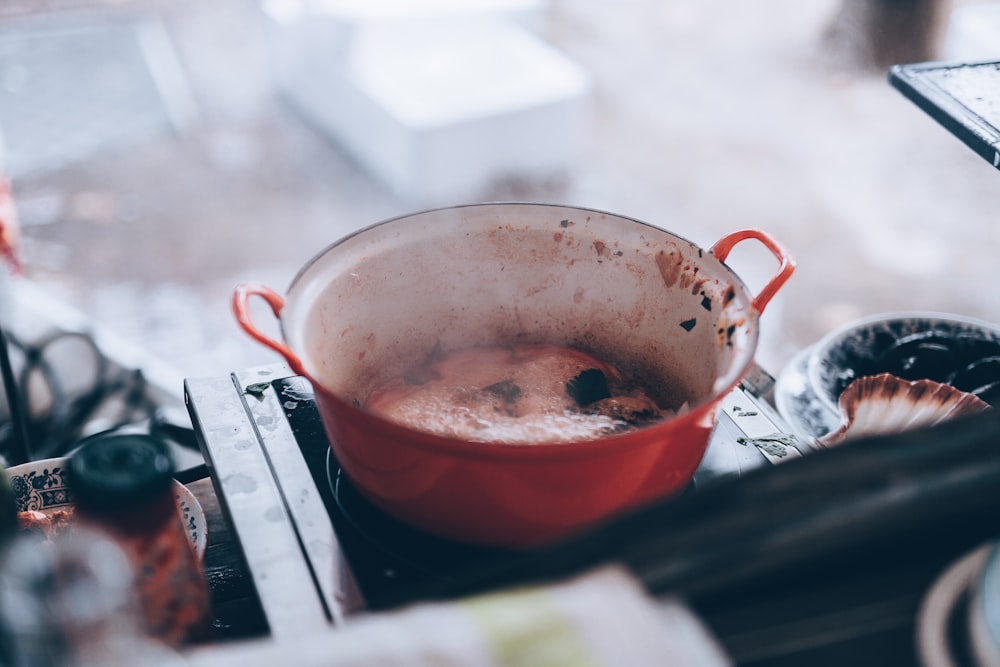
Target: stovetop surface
{"points": [[386, 556], [295, 512]]}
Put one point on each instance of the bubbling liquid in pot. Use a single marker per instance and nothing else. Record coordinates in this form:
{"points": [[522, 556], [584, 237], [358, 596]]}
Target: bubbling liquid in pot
{"points": [[519, 394]]}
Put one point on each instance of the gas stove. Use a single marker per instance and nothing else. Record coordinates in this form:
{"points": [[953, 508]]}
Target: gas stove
{"points": [[319, 554], [294, 511]]}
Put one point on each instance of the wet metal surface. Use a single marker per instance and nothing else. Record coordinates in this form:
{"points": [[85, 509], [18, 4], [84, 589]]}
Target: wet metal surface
{"points": [[255, 510]]}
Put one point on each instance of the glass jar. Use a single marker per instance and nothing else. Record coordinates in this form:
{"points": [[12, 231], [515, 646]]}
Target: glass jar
{"points": [[123, 485]]}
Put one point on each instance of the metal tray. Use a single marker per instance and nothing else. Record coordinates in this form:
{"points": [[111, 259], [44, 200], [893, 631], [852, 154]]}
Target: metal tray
{"points": [[962, 97]]}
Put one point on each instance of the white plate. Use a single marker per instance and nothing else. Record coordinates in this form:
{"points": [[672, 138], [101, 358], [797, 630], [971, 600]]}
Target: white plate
{"points": [[41, 485], [796, 402]]}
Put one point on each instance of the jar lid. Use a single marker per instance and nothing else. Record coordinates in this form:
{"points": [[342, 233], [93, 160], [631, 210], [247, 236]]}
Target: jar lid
{"points": [[119, 470]]}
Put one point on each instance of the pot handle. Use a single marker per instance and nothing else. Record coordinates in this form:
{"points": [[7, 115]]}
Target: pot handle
{"points": [[241, 302], [786, 264]]}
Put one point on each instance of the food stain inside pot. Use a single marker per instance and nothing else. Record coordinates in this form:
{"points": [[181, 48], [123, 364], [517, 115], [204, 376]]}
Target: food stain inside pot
{"points": [[520, 394]]}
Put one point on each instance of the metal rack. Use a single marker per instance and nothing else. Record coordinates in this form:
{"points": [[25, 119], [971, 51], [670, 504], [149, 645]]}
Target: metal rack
{"points": [[963, 97]]}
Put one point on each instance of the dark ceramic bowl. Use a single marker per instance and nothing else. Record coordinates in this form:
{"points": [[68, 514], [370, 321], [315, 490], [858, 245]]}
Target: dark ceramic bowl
{"points": [[952, 349]]}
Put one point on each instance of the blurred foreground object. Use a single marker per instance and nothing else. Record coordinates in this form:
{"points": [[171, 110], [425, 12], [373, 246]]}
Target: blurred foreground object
{"points": [[8, 226], [602, 618], [67, 601]]}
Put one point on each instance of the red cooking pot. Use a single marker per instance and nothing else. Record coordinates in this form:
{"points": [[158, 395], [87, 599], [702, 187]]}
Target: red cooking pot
{"points": [[662, 309]]}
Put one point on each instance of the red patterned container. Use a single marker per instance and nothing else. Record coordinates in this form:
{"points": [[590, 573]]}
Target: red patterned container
{"points": [[123, 486]]}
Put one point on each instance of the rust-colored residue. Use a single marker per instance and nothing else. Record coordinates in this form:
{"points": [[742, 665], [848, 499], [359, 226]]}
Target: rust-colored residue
{"points": [[669, 264], [602, 249], [688, 276], [369, 345], [557, 237]]}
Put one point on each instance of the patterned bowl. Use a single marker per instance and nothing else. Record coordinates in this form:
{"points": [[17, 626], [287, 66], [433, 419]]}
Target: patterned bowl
{"points": [[41, 485]]}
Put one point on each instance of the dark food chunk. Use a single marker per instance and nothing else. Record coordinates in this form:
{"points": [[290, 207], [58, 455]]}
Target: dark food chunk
{"points": [[588, 387]]}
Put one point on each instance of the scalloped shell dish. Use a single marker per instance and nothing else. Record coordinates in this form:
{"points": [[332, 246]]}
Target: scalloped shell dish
{"points": [[883, 403]]}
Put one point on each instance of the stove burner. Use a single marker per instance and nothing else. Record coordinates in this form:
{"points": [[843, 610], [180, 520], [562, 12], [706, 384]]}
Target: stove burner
{"points": [[390, 559], [415, 549], [385, 555], [868, 612]]}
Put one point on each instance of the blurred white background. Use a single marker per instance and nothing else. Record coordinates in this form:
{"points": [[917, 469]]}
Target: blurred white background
{"points": [[162, 152]]}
